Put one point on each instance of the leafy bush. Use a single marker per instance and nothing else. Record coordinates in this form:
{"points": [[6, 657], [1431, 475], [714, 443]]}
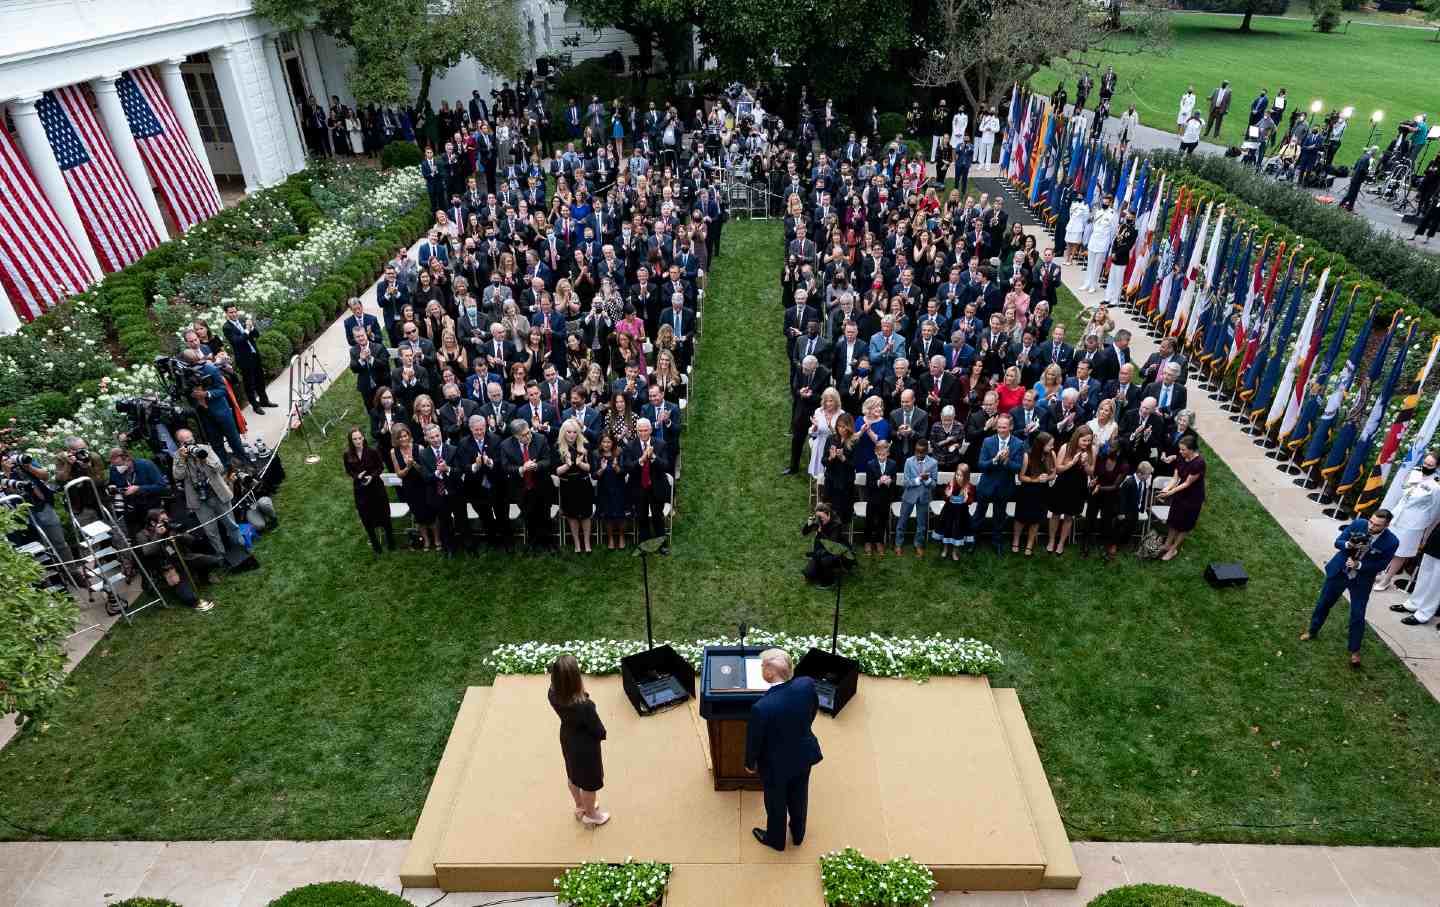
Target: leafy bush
{"points": [[627, 884], [1326, 14], [400, 154], [891, 125], [852, 879], [339, 894], [33, 627], [1157, 896]]}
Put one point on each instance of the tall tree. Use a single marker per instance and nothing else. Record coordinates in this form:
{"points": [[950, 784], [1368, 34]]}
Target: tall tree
{"points": [[982, 46], [391, 36], [662, 24]]}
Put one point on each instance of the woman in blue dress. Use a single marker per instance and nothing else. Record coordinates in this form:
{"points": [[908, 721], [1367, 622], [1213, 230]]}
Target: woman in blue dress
{"points": [[871, 428], [617, 129], [611, 504]]}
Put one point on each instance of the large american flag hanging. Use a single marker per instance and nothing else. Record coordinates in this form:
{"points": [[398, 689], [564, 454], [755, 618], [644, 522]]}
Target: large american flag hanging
{"points": [[108, 206], [39, 264], [186, 187]]}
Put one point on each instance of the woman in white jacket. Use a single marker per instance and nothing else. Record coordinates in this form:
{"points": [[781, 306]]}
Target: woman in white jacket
{"points": [[1187, 107]]}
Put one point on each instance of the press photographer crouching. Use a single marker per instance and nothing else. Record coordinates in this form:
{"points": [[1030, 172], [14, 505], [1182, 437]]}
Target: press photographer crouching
{"points": [[823, 567], [170, 557], [200, 474], [20, 475]]}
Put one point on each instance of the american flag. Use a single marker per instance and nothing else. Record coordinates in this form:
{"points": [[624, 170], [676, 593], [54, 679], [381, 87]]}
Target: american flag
{"points": [[108, 205], [39, 263], [188, 190]]}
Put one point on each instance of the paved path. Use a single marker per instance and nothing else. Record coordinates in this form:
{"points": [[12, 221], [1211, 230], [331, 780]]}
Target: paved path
{"points": [[252, 873]]}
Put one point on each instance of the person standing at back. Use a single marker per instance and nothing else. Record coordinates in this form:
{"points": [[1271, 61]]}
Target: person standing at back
{"points": [[782, 749], [1219, 106], [581, 733]]}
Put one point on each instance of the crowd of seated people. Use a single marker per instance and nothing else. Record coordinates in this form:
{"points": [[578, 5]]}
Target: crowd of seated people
{"points": [[940, 398]]}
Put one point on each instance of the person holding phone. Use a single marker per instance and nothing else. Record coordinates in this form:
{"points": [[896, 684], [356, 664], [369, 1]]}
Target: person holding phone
{"points": [[363, 465]]}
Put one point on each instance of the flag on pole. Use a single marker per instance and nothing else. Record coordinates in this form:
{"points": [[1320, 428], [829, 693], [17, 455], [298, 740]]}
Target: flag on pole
{"points": [[1222, 306], [1013, 127], [1361, 453], [1190, 280], [39, 262], [118, 227], [1245, 299], [185, 185], [1275, 356], [1307, 343], [1333, 393], [1258, 356], [1374, 488], [1301, 400]]}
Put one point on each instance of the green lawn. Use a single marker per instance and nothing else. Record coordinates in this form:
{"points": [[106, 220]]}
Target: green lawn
{"points": [[1370, 68], [314, 702]]}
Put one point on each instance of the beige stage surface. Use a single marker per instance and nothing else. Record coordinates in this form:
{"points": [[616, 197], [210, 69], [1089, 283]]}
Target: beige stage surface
{"points": [[944, 772]]}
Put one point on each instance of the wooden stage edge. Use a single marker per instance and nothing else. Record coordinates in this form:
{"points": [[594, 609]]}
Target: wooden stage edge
{"points": [[944, 772]]}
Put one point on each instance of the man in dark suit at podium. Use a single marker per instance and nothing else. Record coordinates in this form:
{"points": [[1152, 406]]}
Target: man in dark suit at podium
{"points": [[780, 746]]}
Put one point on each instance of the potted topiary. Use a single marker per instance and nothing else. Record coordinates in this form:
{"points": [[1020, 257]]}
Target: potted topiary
{"points": [[339, 894], [1157, 896], [628, 884], [851, 879]]}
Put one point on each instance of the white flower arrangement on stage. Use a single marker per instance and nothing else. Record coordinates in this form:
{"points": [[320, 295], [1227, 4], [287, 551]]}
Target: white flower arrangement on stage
{"points": [[851, 879], [915, 657], [628, 884]]}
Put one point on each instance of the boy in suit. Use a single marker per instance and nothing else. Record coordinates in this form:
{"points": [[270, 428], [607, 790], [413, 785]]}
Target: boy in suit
{"points": [[781, 748]]}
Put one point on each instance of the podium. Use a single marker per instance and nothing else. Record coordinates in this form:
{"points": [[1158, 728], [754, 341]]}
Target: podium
{"points": [[725, 703]]}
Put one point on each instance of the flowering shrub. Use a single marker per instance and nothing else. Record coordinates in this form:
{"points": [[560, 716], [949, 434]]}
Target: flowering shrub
{"points": [[96, 419], [627, 884], [916, 657], [851, 879], [286, 278]]}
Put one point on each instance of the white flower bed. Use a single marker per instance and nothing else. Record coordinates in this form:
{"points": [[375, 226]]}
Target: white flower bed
{"points": [[391, 199], [287, 277], [879, 656], [97, 421]]}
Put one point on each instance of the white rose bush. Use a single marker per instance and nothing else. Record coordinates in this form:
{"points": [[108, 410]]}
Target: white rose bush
{"points": [[915, 657]]}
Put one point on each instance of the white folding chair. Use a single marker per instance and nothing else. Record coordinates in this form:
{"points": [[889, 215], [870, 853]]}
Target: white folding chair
{"points": [[861, 507]]}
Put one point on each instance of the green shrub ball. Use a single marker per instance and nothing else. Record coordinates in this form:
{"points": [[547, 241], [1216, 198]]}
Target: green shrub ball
{"points": [[339, 894], [1157, 896]]}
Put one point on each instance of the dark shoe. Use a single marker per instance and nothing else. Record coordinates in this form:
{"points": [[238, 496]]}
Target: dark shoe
{"points": [[788, 472], [1412, 622], [1401, 609], [759, 834], [267, 402], [257, 410]]}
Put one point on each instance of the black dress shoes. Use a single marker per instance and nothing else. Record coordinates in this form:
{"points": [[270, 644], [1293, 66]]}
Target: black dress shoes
{"points": [[759, 834], [1411, 621]]}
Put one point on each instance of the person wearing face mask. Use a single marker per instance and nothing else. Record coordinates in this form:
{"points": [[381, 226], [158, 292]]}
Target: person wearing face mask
{"points": [[1416, 513], [1097, 247]]}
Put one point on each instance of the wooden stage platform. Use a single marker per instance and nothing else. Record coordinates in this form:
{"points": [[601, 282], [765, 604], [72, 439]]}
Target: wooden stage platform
{"points": [[944, 771]]}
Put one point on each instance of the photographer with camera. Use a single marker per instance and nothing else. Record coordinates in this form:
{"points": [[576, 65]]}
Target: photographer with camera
{"points": [[136, 486], [20, 475], [199, 472], [822, 566], [167, 556], [212, 405], [1363, 548], [77, 462]]}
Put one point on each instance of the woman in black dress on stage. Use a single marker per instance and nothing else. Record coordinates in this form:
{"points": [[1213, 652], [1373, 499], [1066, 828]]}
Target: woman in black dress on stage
{"points": [[580, 734], [364, 466]]}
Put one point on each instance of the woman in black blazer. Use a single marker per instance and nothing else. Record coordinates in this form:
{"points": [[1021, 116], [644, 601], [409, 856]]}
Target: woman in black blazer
{"points": [[580, 734]]}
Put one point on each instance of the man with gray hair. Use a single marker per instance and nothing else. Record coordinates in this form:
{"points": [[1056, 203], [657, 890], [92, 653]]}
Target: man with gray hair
{"points": [[648, 464], [809, 383], [526, 460], [781, 748]]}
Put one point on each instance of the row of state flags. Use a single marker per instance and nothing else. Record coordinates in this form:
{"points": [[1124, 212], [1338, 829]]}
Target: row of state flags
{"points": [[40, 265], [1233, 298]]}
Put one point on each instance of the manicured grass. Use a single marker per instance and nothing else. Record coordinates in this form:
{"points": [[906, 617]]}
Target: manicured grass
{"points": [[314, 702], [1370, 68]]}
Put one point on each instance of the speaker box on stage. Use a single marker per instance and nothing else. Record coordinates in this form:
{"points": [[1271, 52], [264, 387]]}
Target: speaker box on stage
{"points": [[1223, 576], [835, 676], [656, 679]]}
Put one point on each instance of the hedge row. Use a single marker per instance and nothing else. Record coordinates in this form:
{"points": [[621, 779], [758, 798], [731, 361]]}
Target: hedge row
{"points": [[1388, 261]]}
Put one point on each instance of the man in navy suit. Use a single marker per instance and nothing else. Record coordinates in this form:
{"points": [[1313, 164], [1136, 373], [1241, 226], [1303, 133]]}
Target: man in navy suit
{"points": [[1363, 548], [780, 746], [1001, 456], [369, 325]]}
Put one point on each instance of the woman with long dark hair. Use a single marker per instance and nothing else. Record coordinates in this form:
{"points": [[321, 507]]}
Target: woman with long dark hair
{"points": [[581, 732], [364, 466]]}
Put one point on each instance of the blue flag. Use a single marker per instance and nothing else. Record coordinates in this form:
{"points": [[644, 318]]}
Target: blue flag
{"points": [[1320, 375], [1355, 414], [1262, 400], [1361, 454]]}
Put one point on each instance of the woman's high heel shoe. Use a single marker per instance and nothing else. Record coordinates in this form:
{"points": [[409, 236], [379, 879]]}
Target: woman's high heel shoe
{"points": [[604, 817]]}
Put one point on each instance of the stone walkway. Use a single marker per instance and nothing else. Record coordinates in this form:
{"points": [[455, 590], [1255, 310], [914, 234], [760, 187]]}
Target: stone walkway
{"points": [[252, 873]]}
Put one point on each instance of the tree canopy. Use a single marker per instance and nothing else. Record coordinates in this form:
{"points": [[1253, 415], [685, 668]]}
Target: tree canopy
{"points": [[391, 36]]}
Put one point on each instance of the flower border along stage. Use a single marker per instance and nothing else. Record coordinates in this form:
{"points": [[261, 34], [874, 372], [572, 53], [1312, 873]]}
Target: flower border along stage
{"points": [[851, 879], [915, 657], [628, 884]]}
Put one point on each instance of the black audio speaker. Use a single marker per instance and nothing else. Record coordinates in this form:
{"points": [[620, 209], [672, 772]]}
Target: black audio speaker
{"points": [[1223, 576]]}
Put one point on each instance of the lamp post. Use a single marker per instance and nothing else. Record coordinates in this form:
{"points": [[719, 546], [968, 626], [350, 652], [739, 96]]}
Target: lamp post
{"points": [[1375, 119], [1317, 105]]}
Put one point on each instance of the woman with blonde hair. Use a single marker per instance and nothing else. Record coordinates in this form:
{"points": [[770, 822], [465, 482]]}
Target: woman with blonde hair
{"points": [[667, 376], [1104, 426], [594, 385], [1051, 383], [573, 464], [664, 342], [822, 423], [581, 733], [412, 484], [452, 353], [1074, 465], [422, 415]]}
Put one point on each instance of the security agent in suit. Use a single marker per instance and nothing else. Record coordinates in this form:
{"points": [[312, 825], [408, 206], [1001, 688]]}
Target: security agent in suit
{"points": [[781, 748], [477, 457], [1363, 548], [1001, 457], [242, 336], [809, 381]]}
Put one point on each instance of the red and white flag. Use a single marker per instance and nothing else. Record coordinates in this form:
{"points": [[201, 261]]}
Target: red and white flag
{"points": [[108, 206], [39, 263], [184, 183]]}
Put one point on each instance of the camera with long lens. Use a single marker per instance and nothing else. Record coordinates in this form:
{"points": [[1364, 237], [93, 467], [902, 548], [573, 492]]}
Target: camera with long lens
{"points": [[180, 378], [153, 420]]}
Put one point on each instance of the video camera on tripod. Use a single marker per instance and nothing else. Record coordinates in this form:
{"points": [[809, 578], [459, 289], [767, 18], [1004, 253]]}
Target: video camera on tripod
{"points": [[180, 378], [153, 420]]}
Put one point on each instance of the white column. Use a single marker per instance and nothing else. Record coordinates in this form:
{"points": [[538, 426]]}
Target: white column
{"points": [[9, 318], [117, 129], [237, 113], [36, 146], [174, 82], [310, 59], [284, 104]]}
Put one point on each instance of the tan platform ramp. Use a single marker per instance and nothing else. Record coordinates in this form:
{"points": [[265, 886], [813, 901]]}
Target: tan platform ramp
{"points": [[924, 770], [1061, 868], [418, 869]]}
